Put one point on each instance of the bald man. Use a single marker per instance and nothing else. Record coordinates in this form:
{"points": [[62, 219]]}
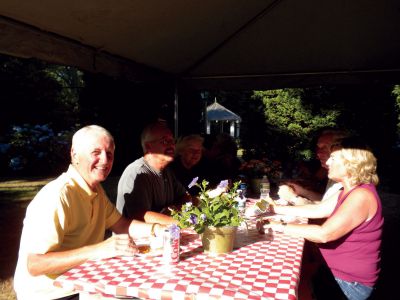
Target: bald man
{"points": [[65, 223], [147, 187]]}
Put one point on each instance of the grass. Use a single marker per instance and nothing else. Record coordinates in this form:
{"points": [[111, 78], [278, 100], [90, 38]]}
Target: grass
{"points": [[17, 190], [20, 190], [15, 195], [6, 290]]}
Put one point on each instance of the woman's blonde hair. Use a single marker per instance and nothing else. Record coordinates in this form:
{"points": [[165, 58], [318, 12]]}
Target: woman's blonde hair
{"points": [[183, 142], [359, 161]]}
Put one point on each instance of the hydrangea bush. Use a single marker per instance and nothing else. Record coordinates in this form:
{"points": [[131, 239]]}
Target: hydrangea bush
{"points": [[217, 207], [34, 149]]}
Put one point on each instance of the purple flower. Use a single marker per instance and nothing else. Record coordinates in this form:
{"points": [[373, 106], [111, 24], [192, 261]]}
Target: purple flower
{"points": [[174, 230], [194, 181], [192, 219], [223, 184], [203, 217]]}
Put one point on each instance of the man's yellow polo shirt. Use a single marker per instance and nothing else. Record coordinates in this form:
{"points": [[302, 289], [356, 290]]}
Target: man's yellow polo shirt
{"points": [[66, 214]]}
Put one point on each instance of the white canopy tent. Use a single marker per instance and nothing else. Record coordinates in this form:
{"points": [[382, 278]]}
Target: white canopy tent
{"points": [[220, 44], [211, 44]]}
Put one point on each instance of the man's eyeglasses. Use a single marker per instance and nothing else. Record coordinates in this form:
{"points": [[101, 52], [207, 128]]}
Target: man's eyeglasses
{"points": [[164, 141]]}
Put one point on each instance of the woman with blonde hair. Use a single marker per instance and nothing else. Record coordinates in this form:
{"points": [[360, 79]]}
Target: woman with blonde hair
{"points": [[350, 238], [188, 153]]}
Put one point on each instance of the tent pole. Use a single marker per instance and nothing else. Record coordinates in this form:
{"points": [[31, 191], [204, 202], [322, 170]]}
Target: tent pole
{"points": [[176, 110], [206, 122]]}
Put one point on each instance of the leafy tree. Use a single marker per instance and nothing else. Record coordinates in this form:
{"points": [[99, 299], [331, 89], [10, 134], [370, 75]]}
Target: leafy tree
{"points": [[71, 81], [277, 124], [42, 102], [286, 111], [37, 93], [282, 124]]}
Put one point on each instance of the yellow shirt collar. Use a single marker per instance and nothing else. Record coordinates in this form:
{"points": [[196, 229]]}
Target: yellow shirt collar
{"points": [[85, 190]]}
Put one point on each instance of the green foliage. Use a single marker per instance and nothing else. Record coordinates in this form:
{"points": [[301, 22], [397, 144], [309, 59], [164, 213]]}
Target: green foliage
{"points": [[37, 93], [71, 81], [42, 105], [396, 93], [280, 124], [216, 208], [286, 110], [290, 116]]}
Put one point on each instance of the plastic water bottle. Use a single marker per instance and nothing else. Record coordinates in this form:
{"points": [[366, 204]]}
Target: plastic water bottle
{"points": [[264, 187], [241, 201], [243, 185]]}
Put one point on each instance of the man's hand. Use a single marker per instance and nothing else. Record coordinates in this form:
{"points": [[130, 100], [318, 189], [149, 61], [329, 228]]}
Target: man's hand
{"points": [[159, 229], [59, 262], [116, 245]]}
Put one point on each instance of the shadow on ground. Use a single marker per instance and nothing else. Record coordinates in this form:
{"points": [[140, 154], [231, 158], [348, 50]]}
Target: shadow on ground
{"points": [[11, 218]]}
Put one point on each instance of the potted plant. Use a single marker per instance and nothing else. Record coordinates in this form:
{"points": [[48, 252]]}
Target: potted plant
{"points": [[255, 169], [216, 216]]}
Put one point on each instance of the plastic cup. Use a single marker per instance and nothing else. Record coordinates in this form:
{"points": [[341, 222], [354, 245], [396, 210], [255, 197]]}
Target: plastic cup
{"points": [[144, 248]]}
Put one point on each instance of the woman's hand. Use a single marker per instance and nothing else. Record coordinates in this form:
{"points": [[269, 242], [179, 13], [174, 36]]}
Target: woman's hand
{"points": [[286, 192], [270, 204], [288, 196], [264, 226]]}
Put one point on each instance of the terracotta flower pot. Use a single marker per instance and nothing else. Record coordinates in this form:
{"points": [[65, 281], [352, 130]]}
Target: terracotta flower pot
{"points": [[218, 240]]}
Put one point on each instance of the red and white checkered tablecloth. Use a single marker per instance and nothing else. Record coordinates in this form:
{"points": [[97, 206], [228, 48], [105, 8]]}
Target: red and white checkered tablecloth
{"points": [[260, 267]]}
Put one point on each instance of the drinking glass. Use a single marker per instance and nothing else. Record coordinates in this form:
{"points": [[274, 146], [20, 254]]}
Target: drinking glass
{"points": [[264, 193]]}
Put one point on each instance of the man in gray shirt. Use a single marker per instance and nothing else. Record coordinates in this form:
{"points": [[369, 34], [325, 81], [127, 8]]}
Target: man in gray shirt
{"points": [[147, 188]]}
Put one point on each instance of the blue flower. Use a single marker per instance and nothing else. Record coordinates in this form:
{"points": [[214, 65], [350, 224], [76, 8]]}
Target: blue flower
{"points": [[43, 138], [41, 154], [194, 181], [4, 148], [223, 184], [192, 219], [16, 163], [215, 207], [17, 128]]}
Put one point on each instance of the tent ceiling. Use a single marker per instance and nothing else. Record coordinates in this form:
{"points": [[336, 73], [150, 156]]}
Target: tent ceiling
{"points": [[212, 43]]}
